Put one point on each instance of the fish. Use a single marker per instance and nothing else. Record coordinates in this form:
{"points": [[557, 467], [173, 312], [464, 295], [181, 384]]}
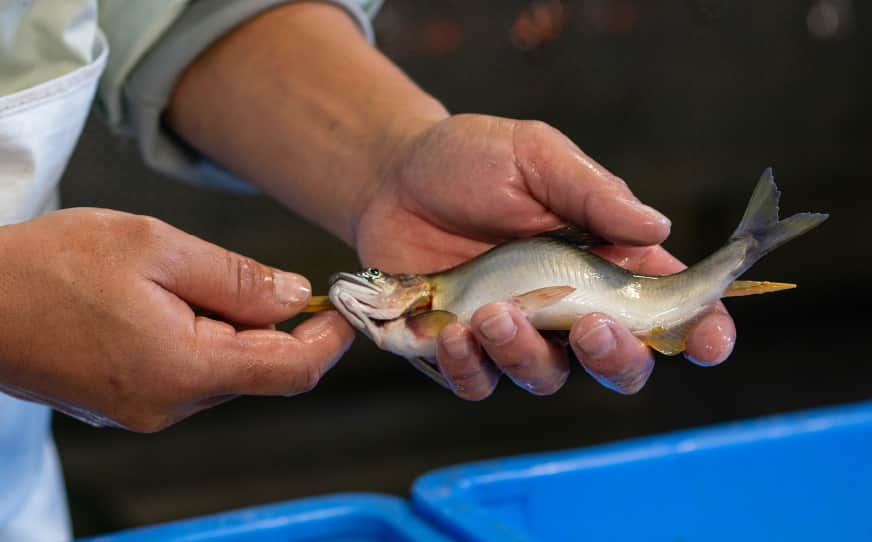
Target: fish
{"points": [[554, 279]]}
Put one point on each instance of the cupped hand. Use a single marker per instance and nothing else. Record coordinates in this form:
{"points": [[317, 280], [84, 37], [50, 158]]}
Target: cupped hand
{"points": [[468, 182], [96, 320]]}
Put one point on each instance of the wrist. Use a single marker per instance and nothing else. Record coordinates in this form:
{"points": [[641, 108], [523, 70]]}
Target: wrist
{"points": [[300, 104], [396, 142]]}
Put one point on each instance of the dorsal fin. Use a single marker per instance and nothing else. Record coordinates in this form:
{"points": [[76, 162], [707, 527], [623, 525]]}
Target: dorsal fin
{"points": [[574, 236]]}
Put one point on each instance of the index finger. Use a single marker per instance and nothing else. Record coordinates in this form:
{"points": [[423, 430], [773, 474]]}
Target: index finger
{"points": [[268, 362], [577, 189]]}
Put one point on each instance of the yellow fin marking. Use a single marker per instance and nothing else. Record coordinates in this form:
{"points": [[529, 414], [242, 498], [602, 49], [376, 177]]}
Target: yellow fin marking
{"points": [[667, 341], [752, 287]]}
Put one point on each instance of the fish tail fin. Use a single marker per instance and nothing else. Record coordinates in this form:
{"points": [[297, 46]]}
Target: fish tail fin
{"points": [[761, 222]]}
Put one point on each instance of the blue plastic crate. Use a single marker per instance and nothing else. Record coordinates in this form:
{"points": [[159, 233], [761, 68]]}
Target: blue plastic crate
{"points": [[333, 518], [805, 476]]}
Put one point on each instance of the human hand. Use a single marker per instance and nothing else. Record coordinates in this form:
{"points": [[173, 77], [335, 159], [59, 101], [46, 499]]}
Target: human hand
{"points": [[95, 321], [460, 186], [387, 170]]}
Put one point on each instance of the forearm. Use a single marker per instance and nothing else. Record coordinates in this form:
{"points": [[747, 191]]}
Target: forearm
{"points": [[297, 102]]}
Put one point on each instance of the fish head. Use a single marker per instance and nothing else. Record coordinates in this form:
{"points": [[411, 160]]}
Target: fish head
{"points": [[370, 299]]}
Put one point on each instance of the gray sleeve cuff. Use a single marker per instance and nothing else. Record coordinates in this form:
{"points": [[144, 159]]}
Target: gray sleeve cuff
{"points": [[151, 82]]}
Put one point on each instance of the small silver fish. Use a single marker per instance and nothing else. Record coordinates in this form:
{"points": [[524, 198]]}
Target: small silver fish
{"points": [[555, 279]]}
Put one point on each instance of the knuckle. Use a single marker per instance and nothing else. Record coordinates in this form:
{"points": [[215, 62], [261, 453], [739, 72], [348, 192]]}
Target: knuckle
{"points": [[113, 237], [143, 230], [248, 276], [528, 139]]}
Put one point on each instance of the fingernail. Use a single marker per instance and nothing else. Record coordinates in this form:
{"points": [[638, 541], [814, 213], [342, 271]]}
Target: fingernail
{"points": [[653, 214], [291, 288], [457, 346], [499, 328], [598, 342]]}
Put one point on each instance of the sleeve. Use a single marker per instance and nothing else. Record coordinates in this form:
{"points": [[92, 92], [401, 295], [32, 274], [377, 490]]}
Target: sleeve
{"points": [[151, 44], [40, 41]]}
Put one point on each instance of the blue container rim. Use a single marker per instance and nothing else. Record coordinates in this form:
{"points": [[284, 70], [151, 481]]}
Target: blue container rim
{"points": [[392, 509], [443, 495]]}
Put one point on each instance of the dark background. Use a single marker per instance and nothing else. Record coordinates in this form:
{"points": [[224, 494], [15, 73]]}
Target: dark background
{"points": [[687, 101]]}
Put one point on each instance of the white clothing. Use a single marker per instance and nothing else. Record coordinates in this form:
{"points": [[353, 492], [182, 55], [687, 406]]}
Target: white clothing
{"points": [[52, 55]]}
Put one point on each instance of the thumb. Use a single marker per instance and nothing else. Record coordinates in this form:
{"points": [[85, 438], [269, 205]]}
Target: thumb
{"points": [[581, 191], [236, 287]]}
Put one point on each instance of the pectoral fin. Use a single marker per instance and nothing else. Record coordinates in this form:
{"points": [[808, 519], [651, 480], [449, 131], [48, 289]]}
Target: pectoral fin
{"points": [[427, 368], [541, 297], [427, 325], [752, 287]]}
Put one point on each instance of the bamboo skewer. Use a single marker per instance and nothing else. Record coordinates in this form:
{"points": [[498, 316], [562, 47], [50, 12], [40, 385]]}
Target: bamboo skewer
{"points": [[318, 303]]}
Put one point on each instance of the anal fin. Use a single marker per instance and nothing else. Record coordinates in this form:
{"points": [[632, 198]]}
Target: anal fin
{"points": [[670, 342], [752, 287], [427, 368]]}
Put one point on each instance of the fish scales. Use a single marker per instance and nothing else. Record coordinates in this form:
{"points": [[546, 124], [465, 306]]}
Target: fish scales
{"points": [[555, 279], [536, 263]]}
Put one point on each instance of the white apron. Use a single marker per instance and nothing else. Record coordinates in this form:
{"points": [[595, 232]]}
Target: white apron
{"points": [[39, 127]]}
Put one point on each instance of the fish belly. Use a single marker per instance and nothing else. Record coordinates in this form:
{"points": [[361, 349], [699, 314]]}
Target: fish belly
{"points": [[639, 303], [498, 277]]}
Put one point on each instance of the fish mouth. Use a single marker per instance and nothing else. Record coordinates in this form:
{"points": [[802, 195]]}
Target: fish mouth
{"points": [[353, 279], [365, 304], [358, 320], [363, 291], [356, 298]]}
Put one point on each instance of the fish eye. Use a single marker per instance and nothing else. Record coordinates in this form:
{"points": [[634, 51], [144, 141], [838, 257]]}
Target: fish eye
{"points": [[373, 272]]}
